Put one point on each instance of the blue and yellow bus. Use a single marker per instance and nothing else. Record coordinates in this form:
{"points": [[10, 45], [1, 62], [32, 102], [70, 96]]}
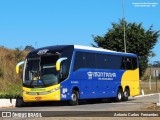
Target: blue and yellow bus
{"points": [[73, 72]]}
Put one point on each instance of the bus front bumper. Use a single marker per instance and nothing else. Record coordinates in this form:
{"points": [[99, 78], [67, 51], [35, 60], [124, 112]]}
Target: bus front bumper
{"points": [[37, 98]]}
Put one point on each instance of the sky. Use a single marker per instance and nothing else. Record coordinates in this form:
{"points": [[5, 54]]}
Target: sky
{"points": [[54, 22]]}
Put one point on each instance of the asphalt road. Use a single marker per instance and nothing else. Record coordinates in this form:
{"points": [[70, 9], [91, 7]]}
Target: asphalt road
{"points": [[95, 109], [134, 103]]}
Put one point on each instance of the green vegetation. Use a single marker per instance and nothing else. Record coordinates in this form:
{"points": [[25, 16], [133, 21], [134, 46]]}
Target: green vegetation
{"points": [[10, 82], [138, 40]]}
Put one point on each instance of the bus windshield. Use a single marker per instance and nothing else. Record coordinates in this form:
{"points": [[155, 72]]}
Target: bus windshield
{"points": [[40, 72]]}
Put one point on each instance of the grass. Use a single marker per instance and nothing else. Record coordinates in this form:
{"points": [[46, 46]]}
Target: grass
{"points": [[10, 82], [13, 90], [146, 88]]}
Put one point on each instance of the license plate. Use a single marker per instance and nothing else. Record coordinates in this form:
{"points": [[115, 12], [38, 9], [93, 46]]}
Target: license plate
{"points": [[38, 98]]}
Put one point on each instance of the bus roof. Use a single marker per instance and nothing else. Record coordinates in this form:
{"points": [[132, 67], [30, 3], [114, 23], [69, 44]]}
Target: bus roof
{"points": [[59, 48], [99, 49]]}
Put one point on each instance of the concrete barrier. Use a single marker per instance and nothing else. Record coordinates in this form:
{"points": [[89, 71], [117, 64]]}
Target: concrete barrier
{"points": [[11, 102], [7, 102]]}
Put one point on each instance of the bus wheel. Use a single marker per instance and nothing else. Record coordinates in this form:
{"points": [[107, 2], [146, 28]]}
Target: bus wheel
{"points": [[126, 94], [119, 95], [20, 103], [74, 98]]}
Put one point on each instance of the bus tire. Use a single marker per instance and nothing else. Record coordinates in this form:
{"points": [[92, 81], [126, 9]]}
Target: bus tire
{"points": [[119, 95], [21, 103], [74, 98], [126, 94]]}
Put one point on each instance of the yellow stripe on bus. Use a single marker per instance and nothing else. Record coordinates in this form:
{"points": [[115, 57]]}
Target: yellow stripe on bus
{"points": [[130, 78]]}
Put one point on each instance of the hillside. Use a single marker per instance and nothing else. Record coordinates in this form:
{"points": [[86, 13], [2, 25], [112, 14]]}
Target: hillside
{"points": [[10, 82]]}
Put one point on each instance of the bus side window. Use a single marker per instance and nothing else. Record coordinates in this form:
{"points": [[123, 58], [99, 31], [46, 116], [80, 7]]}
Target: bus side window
{"points": [[114, 62], [90, 60], [134, 63], [101, 60], [123, 67], [128, 61], [79, 61]]}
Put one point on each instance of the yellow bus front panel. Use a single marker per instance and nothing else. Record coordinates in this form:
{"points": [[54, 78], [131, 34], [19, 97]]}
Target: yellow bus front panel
{"points": [[41, 94]]}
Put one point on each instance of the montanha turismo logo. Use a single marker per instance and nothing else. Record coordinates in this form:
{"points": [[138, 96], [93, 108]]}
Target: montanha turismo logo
{"points": [[101, 75]]}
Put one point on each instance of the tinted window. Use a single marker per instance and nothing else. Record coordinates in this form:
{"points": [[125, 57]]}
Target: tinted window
{"points": [[128, 61], [79, 61], [67, 62], [114, 62], [90, 60], [134, 63], [84, 60], [101, 61], [123, 65]]}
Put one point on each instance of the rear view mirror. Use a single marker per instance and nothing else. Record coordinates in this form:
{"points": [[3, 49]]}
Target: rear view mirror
{"points": [[58, 63], [18, 65]]}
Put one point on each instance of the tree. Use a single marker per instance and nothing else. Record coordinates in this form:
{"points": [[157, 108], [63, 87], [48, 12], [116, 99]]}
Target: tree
{"points": [[29, 48], [138, 40], [156, 64]]}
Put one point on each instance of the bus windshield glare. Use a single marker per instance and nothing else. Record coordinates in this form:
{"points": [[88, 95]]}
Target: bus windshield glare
{"points": [[41, 71]]}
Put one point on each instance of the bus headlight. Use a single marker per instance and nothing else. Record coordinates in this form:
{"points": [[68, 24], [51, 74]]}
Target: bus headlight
{"points": [[25, 92]]}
